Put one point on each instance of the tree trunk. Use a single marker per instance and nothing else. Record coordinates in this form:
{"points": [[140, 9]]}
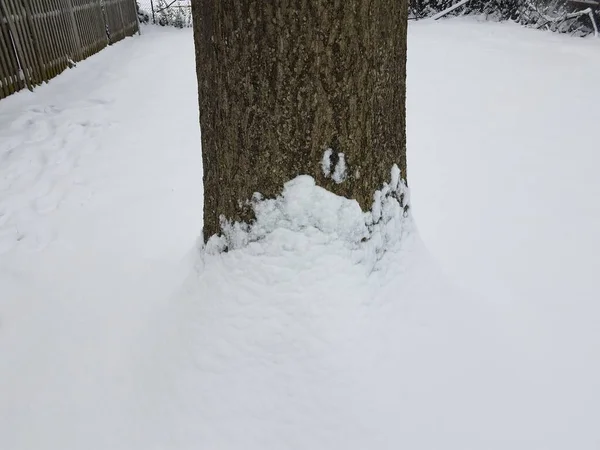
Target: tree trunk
{"points": [[282, 81]]}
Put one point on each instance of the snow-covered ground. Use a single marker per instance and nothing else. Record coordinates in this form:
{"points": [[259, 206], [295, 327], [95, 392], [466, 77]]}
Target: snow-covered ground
{"points": [[115, 335], [111, 150]]}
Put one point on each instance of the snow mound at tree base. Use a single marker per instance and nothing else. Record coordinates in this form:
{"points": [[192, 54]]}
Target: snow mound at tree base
{"points": [[307, 210], [292, 341]]}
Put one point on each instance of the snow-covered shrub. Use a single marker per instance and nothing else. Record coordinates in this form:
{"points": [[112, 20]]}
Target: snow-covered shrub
{"points": [[565, 16], [173, 13], [143, 15], [503, 9]]}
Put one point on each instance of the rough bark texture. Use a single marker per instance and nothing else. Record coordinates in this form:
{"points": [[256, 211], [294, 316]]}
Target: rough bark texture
{"points": [[281, 81]]}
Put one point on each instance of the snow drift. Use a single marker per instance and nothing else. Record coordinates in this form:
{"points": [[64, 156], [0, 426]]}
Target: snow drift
{"points": [[326, 327], [292, 341]]}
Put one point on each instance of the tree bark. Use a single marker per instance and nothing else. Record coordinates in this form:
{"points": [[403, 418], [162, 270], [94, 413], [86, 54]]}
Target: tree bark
{"points": [[282, 81]]}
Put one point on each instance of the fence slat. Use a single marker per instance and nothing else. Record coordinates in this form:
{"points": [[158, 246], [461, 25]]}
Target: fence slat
{"points": [[35, 42], [53, 52], [83, 28], [62, 38], [49, 53], [8, 67], [73, 29], [121, 20], [94, 17], [18, 82], [30, 58], [15, 38]]}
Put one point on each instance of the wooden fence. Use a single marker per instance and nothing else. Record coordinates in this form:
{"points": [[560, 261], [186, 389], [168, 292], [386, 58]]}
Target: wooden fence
{"points": [[41, 38]]}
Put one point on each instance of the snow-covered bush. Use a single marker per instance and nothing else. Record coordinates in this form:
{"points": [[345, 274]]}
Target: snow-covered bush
{"points": [[565, 16], [143, 15], [503, 9], [173, 13]]}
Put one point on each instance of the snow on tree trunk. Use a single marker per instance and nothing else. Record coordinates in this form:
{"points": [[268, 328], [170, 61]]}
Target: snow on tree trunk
{"points": [[281, 83]]}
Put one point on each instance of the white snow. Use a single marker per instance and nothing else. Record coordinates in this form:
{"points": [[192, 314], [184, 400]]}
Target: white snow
{"points": [[339, 173], [326, 162], [302, 205], [111, 151], [339, 170], [305, 208], [115, 334]]}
